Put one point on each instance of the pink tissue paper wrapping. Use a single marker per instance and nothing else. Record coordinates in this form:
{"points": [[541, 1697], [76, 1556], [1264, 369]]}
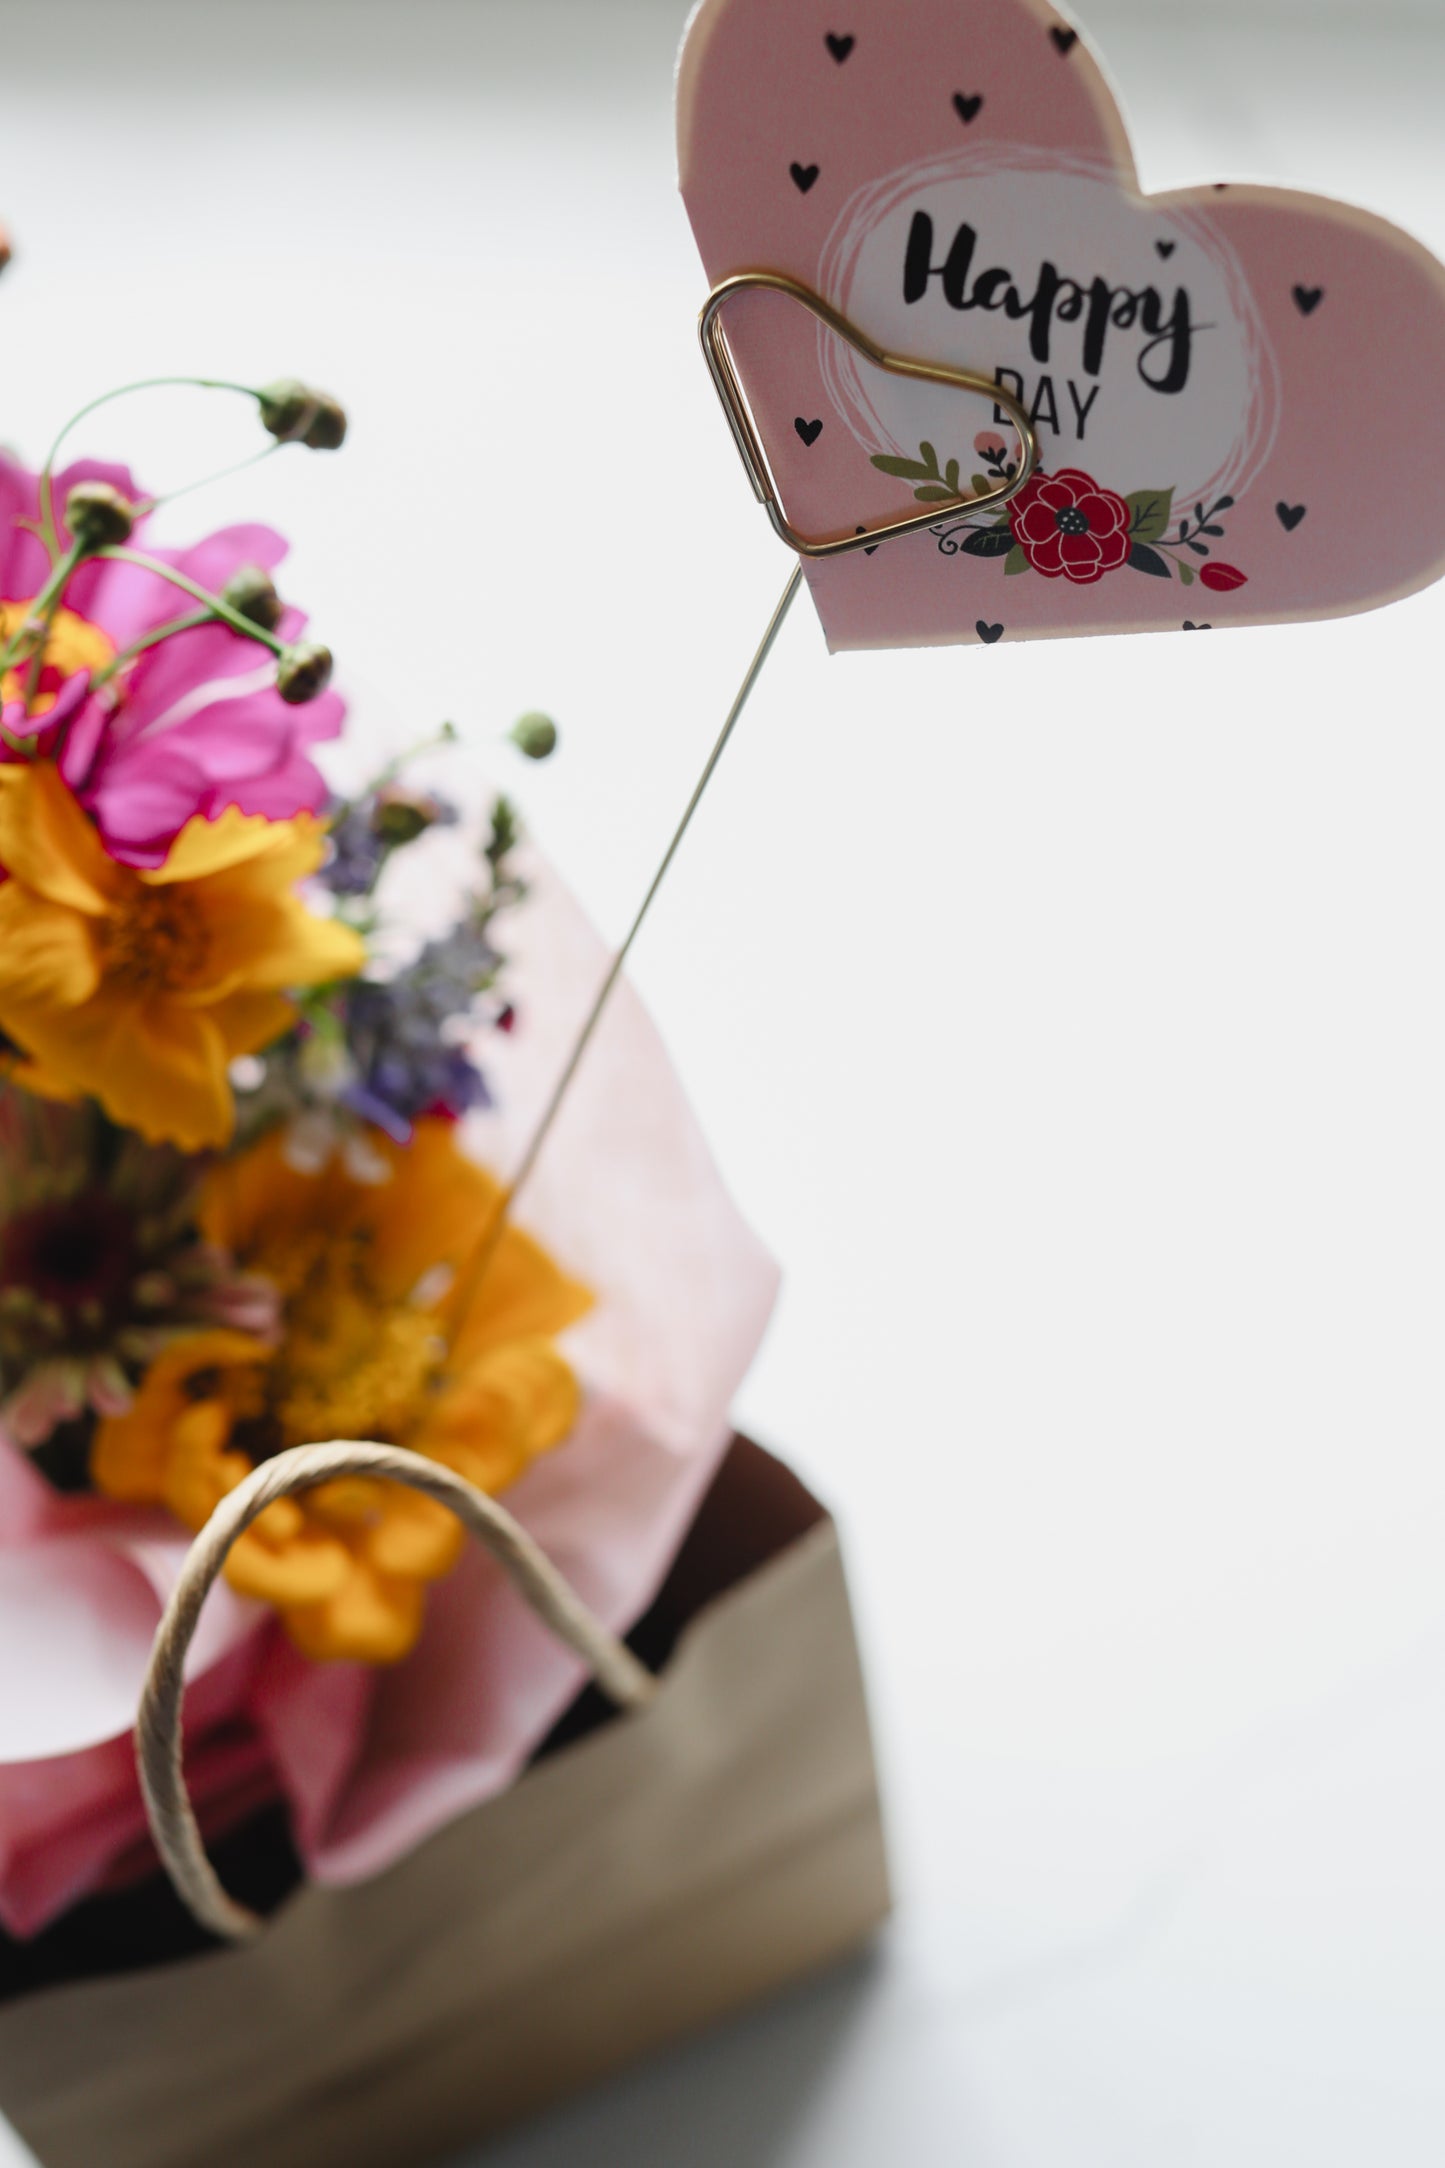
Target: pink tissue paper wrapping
{"points": [[372, 1762]]}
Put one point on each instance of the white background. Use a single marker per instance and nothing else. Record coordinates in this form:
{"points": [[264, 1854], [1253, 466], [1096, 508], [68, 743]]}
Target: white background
{"points": [[1068, 1018]]}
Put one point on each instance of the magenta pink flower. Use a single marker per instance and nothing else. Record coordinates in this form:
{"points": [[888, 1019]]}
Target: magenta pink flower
{"points": [[191, 726]]}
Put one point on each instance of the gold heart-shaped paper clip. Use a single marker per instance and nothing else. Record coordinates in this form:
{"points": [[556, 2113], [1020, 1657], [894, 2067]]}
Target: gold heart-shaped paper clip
{"points": [[750, 445]]}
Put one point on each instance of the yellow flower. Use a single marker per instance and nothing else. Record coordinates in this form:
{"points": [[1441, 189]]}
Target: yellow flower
{"points": [[139, 988], [364, 1270], [71, 645]]}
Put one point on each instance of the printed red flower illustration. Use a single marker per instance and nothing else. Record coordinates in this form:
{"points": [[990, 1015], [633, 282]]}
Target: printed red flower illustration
{"points": [[1069, 528]]}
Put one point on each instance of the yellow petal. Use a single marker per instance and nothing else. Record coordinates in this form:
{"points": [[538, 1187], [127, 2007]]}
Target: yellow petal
{"points": [[348, 1501], [154, 1065], [249, 1021], [47, 951], [293, 849], [258, 1205], [129, 1453], [206, 847], [193, 1492], [47, 843], [416, 1538], [308, 1570], [522, 1293], [439, 1212], [30, 1077], [510, 1406], [281, 1522], [132, 1452], [493, 1464], [170, 1082], [273, 943], [200, 1431], [372, 1620], [217, 1348], [433, 1213]]}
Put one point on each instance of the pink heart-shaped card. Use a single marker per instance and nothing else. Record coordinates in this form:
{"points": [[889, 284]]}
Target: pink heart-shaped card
{"points": [[1234, 390]]}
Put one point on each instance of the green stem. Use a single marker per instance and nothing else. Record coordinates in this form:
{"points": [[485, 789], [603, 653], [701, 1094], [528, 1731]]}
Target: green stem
{"points": [[221, 474], [151, 639], [447, 735], [214, 603], [45, 606], [474, 1270], [51, 534], [37, 658]]}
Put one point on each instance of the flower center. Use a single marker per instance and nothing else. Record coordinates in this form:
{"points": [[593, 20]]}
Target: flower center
{"points": [[1071, 520], [73, 644], [77, 1253], [353, 1362], [158, 944]]}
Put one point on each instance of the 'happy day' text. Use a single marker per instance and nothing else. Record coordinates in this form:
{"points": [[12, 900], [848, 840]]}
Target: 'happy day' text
{"points": [[1163, 361]]}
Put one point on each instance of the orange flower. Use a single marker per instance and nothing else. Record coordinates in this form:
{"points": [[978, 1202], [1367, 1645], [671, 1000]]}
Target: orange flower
{"points": [[364, 1270], [139, 988]]}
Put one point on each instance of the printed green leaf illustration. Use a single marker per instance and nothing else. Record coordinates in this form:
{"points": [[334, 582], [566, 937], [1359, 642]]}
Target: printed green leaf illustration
{"points": [[938, 487], [1016, 561], [986, 542], [1149, 513], [907, 470], [1186, 573], [1147, 560]]}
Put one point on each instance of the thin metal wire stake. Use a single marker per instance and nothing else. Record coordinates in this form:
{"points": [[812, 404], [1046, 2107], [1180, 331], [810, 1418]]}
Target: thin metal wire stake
{"points": [[475, 1270]]}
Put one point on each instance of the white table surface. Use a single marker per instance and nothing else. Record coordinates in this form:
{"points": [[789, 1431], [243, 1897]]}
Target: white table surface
{"points": [[1068, 1018]]}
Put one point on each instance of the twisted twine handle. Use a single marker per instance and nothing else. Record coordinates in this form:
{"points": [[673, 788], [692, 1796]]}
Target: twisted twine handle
{"points": [[158, 1724]]}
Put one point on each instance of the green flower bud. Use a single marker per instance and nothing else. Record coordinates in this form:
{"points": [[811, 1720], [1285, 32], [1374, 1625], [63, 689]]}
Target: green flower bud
{"points": [[534, 735], [293, 411], [326, 431], [400, 816], [284, 406], [251, 595], [303, 672], [98, 516]]}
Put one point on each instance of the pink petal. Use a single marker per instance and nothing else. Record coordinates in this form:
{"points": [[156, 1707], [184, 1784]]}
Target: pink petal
{"points": [[83, 738], [227, 739], [164, 675], [294, 787], [213, 560], [141, 806], [23, 561]]}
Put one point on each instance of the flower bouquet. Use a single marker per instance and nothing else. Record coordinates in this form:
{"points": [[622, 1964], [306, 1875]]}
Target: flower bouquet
{"points": [[275, 1314]]}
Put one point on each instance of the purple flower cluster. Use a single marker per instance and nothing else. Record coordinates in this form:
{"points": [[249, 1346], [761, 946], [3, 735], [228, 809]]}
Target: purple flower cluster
{"points": [[364, 834], [387, 1051], [400, 1034], [358, 853]]}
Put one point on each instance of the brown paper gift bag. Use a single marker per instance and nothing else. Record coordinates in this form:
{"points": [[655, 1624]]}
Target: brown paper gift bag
{"points": [[648, 1874]]}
